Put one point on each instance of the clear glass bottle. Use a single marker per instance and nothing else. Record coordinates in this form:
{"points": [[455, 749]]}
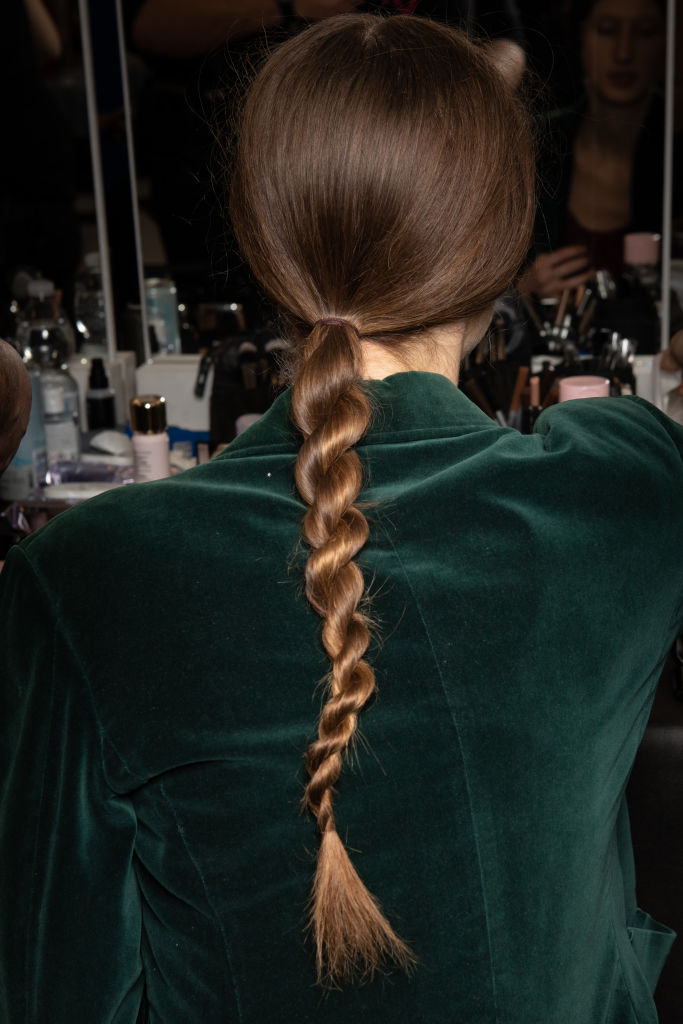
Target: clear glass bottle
{"points": [[91, 326], [162, 311], [49, 349], [42, 316]]}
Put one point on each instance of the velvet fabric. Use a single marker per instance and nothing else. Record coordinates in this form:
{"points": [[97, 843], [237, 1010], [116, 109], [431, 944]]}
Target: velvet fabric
{"points": [[159, 667]]}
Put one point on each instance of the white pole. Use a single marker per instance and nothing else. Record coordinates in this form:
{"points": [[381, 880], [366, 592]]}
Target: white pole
{"points": [[98, 184], [144, 323], [667, 185]]}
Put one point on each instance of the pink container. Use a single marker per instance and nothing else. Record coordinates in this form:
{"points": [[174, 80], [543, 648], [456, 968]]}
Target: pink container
{"points": [[642, 248], [583, 387]]}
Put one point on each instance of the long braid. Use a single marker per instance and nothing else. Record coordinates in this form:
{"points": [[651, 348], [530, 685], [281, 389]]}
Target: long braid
{"points": [[351, 934]]}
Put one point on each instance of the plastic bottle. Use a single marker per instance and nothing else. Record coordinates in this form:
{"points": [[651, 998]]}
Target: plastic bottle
{"points": [[151, 447], [41, 316], [100, 398], [162, 311], [60, 413], [89, 312]]}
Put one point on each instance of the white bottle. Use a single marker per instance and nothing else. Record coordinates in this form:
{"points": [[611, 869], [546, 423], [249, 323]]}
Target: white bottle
{"points": [[151, 447]]}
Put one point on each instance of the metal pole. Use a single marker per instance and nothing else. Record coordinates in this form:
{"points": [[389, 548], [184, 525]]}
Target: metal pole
{"points": [[667, 185], [98, 184], [127, 110]]}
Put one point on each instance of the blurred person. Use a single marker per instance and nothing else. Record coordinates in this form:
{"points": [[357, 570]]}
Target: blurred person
{"points": [[465, 851], [179, 28], [602, 170], [44, 31]]}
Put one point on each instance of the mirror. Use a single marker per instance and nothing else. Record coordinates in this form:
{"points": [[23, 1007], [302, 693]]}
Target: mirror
{"points": [[46, 211], [175, 97], [181, 227]]}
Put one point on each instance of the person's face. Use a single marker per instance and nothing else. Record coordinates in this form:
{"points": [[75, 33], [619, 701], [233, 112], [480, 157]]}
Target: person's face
{"points": [[622, 49]]}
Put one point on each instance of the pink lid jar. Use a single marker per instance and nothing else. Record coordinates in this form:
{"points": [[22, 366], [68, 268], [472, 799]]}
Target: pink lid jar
{"points": [[583, 387], [641, 248]]}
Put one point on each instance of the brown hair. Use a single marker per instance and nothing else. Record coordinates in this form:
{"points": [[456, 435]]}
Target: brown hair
{"points": [[15, 402], [384, 179]]}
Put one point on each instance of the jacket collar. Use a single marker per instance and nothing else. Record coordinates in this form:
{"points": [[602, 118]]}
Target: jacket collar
{"points": [[407, 406]]}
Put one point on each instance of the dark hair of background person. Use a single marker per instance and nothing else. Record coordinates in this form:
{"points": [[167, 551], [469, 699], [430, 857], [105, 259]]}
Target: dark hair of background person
{"points": [[384, 175], [577, 11]]}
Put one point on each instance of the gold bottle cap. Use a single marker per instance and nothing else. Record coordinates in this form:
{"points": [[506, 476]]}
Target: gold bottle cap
{"points": [[148, 414]]}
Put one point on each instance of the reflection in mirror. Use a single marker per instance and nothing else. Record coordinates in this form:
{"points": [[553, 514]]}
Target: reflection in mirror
{"points": [[178, 95], [676, 225], [603, 151], [602, 172], [43, 173]]}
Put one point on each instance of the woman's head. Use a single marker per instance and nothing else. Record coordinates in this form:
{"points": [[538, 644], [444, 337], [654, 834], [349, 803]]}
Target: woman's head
{"points": [[621, 45], [384, 173]]}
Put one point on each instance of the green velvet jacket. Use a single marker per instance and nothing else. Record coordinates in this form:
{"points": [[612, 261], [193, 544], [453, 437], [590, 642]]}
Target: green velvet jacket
{"points": [[159, 667]]}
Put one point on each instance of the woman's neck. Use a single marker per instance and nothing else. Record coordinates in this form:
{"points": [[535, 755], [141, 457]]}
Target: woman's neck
{"points": [[439, 350], [607, 127]]}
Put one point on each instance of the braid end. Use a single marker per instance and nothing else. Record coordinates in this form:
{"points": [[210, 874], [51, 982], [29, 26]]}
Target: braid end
{"points": [[352, 937]]}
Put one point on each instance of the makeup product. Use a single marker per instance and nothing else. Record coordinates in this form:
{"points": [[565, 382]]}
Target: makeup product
{"points": [[99, 398], [473, 391], [60, 410], [583, 387], [162, 310], [151, 448], [562, 308], [552, 396], [514, 416], [534, 409], [641, 261], [535, 319]]}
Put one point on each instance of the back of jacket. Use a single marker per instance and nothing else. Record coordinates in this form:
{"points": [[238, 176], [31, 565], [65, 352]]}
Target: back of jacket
{"points": [[159, 672]]}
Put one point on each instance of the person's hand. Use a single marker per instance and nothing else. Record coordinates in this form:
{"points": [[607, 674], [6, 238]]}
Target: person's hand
{"points": [[551, 273], [315, 10]]}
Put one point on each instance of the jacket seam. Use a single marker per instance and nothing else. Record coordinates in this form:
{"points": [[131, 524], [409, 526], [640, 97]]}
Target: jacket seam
{"points": [[622, 973], [31, 930], [219, 923], [466, 779]]}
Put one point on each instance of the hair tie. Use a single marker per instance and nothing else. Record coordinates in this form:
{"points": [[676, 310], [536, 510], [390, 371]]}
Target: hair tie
{"points": [[338, 321]]}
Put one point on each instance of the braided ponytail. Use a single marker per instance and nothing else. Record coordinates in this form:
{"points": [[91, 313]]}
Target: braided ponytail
{"points": [[330, 409]]}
